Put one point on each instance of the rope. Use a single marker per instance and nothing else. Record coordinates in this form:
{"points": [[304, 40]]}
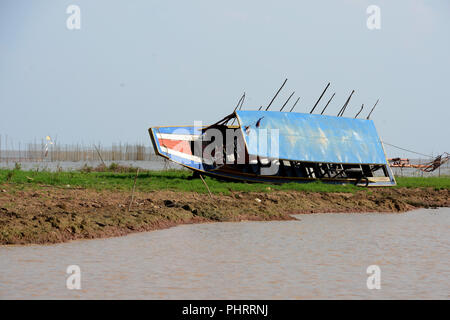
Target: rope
{"points": [[407, 150]]}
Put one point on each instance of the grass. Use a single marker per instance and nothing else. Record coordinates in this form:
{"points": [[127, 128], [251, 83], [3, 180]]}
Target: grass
{"points": [[177, 180], [438, 183]]}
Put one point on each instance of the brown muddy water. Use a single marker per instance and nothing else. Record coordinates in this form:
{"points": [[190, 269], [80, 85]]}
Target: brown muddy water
{"points": [[321, 256]]}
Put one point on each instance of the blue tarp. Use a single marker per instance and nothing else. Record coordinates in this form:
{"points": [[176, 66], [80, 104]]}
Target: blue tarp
{"points": [[312, 137]]}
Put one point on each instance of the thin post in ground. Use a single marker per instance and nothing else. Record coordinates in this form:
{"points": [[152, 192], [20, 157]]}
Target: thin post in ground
{"points": [[99, 154], [132, 192], [209, 191]]}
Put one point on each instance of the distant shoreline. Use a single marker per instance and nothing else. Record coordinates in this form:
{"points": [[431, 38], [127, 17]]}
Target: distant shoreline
{"points": [[95, 205]]}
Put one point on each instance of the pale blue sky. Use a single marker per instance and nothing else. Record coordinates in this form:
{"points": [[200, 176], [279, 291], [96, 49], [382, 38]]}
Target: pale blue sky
{"points": [[136, 64]]}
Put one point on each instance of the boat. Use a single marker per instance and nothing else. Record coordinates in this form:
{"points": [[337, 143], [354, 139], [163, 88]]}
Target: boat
{"points": [[279, 147]]}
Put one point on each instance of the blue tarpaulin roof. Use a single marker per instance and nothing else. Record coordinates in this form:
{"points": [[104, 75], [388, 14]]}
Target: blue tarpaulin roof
{"points": [[311, 137]]}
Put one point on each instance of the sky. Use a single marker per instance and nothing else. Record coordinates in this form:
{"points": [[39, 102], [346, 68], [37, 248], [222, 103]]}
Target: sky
{"points": [[137, 64]]}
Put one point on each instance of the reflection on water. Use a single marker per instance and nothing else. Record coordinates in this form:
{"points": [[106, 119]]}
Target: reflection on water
{"points": [[318, 256]]}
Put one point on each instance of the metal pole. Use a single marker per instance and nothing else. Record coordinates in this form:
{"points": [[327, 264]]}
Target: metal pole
{"points": [[242, 102], [328, 103], [239, 102], [320, 98], [294, 104], [287, 101], [240, 99], [276, 94], [341, 112], [362, 107], [372, 109]]}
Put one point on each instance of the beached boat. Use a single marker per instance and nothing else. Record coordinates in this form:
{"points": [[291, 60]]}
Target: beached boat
{"points": [[279, 147]]}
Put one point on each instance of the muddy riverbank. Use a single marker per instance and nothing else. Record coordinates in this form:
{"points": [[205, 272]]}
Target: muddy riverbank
{"points": [[50, 214]]}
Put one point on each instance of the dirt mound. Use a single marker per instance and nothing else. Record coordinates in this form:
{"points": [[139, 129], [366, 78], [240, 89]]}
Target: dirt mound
{"points": [[52, 214]]}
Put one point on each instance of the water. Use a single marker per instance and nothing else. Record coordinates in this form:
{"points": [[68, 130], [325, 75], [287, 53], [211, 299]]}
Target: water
{"points": [[319, 256]]}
